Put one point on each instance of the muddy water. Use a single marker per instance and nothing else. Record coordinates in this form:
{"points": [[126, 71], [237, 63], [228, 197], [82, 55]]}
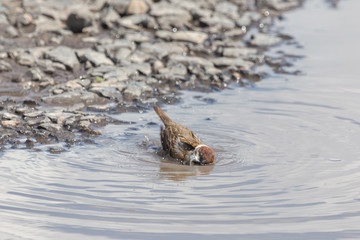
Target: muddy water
{"points": [[287, 149]]}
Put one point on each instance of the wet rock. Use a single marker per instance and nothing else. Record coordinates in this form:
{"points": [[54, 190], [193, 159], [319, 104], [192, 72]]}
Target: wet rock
{"points": [[263, 40], [56, 150], [218, 21], [34, 74], [4, 66], [51, 127], [120, 6], [74, 97], [238, 62], [175, 68], [46, 24], [95, 58], [26, 59], [238, 52], [163, 49], [190, 60], [139, 57], [279, 5], [63, 55], [46, 81], [227, 9], [169, 16], [139, 37], [34, 114], [137, 7], [109, 18], [107, 92], [135, 89], [79, 19], [10, 123], [9, 116], [12, 31], [133, 21], [24, 19], [248, 18], [189, 36]]}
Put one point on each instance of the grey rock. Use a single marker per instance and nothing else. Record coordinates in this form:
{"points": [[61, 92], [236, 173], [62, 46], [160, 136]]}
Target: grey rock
{"points": [[238, 52], [189, 36], [95, 58], [24, 19], [175, 69], [46, 24], [238, 62], [46, 81], [190, 60], [248, 18], [279, 5], [34, 114], [10, 123], [218, 21], [133, 20], [51, 127], [73, 97], [12, 31], [139, 57], [5, 66], [109, 17], [26, 59], [9, 116], [34, 74], [107, 92], [228, 9], [79, 19], [3, 19], [139, 37], [63, 55], [119, 5], [135, 89], [263, 40], [163, 49]]}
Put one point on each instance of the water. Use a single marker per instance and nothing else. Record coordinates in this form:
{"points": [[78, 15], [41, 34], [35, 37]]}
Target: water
{"points": [[288, 159]]}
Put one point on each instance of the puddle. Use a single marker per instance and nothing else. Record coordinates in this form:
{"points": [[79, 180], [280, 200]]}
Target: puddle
{"points": [[287, 158]]}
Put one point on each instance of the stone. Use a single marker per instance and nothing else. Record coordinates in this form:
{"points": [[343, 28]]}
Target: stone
{"points": [[137, 7], [5, 66], [218, 21], [279, 5], [63, 55], [51, 127], [10, 30], [263, 40], [139, 37], [238, 62], [163, 49], [10, 123], [109, 18], [238, 52], [73, 97], [34, 114], [9, 116], [107, 92], [189, 36], [227, 9], [135, 89], [24, 19], [95, 58], [175, 69], [120, 6], [34, 74], [26, 59], [143, 19], [79, 19], [190, 60]]}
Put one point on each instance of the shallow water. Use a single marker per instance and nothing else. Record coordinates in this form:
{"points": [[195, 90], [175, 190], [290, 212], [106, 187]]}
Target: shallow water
{"points": [[287, 149]]}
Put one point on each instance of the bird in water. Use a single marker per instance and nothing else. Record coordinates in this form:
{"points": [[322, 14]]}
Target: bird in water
{"points": [[181, 143]]}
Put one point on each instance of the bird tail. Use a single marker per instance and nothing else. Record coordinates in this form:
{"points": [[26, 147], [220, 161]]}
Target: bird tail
{"points": [[164, 118]]}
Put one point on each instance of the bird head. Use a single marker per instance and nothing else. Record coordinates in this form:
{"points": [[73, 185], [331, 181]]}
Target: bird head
{"points": [[202, 155]]}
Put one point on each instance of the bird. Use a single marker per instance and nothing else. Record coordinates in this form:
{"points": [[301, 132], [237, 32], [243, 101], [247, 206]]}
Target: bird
{"points": [[182, 144]]}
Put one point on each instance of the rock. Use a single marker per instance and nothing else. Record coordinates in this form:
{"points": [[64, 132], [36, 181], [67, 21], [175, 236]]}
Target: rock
{"points": [[3, 19], [12, 31], [46, 24], [190, 60], [263, 40], [163, 49], [227, 9], [247, 18], [95, 58], [51, 127], [137, 7], [134, 20], [109, 18], [139, 37], [279, 5], [74, 97], [120, 6], [5, 66], [139, 57], [24, 19], [56, 150], [26, 59], [34, 74], [218, 21], [9, 116], [46, 81], [189, 36], [79, 19], [107, 92], [135, 89], [238, 52], [175, 69], [10, 123], [34, 114], [64, 55], [238, 62]]}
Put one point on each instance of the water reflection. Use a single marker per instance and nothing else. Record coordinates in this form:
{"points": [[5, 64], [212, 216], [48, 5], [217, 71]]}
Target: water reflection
{"points": [[177, 172]]}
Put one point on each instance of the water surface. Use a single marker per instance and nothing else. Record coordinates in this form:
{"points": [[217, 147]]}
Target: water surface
{"points": [[287, 149]]}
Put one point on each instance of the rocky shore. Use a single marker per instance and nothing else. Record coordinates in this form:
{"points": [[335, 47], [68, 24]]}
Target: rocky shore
{"points": [[67, 66]]}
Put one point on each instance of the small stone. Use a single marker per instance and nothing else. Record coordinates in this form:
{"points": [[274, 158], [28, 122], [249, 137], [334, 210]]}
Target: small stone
{"points": [[34, 114], [34, 74], [263, 40], [5, 66], [137, 7], [95, 58], [9, 116], [10, 123], [79, 19], [24, 19], [12, 31], [51, 127], [63, 55], [26, 59], [238, 62], [56, 150]]}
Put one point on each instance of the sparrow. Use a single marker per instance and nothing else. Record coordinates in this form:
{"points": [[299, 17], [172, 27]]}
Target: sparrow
{"points": [[181, 143]]}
